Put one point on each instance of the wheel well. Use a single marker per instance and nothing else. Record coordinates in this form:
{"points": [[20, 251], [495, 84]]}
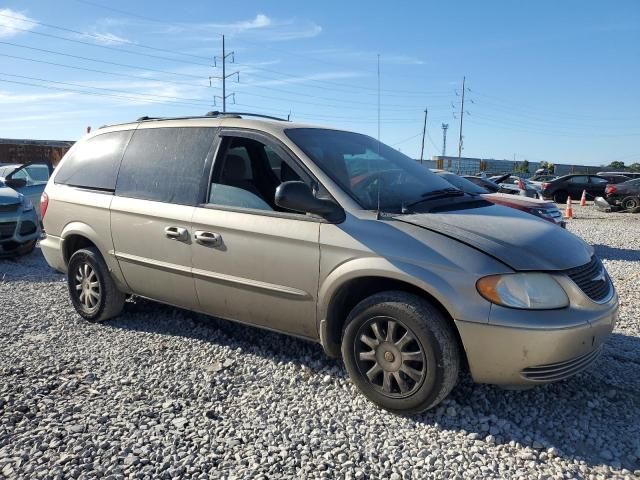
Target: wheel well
{"points": [[356, 290], [72, 244]]}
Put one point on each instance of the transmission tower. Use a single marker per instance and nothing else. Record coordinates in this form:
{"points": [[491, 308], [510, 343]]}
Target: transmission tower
{"points": [[224, 77], [445, 126]]}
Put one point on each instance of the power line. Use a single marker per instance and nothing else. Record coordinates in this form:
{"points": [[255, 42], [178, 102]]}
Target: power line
{"points": [[101, 61], [104, 72], [341, 105], [162, 99], [406, 139], [168, 97], [107, 47], [50, 87]]}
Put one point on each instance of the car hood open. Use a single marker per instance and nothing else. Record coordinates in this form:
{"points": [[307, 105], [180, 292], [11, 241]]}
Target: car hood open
{"points": [[518, 239]]}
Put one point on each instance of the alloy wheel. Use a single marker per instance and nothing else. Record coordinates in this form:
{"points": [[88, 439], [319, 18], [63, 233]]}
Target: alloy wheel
{"points": [[390, 356], [87, 287]]}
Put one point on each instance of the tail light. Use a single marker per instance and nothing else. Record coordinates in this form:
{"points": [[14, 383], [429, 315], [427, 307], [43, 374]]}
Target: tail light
{"points": [[44, 203], [610, 189], [545, 185]]}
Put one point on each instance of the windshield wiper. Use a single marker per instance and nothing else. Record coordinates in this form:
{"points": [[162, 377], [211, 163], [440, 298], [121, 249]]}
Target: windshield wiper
{"points": [[435, 194]]}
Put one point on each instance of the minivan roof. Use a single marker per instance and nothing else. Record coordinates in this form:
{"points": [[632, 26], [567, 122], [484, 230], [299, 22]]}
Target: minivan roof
{"points": [[220, 119]]}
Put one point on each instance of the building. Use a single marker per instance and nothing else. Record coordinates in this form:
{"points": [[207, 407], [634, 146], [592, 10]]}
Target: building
{"points": [[472, 166], [23, 151]]}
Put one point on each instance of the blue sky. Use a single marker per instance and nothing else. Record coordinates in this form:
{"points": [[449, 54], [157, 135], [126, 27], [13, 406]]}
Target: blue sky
{"points": [[547, 80]]}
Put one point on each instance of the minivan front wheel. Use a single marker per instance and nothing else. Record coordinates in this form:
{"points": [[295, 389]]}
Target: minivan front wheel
{"points": [[401, 352], [93, 292]]}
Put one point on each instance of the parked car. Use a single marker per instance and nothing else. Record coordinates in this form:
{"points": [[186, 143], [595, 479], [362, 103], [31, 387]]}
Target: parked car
{"points": [[573, 185], [485, 183], [29, 179], [540, 179], [330, 236], [629, 175], [613, 179], [19, 223], [540, 208], [510, 184], [625, 196]]}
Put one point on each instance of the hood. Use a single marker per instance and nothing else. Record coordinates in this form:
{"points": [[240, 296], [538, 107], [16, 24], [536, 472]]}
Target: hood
{"points": [[507, 199], [9, 196], [518, 239]]}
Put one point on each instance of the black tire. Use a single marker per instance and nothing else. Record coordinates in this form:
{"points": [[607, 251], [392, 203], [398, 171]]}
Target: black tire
{"points": [[631, 204], [27, 248], [561, 196], [432, 336], [92, 290]]}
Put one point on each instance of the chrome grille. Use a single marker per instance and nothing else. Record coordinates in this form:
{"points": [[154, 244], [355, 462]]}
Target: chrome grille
{"points": [[592, 279], [7, 229], [12, 207], [558, 371]]}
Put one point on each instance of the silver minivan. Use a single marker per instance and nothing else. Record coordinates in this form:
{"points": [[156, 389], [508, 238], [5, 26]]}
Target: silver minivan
{"points": [[330, 236]]}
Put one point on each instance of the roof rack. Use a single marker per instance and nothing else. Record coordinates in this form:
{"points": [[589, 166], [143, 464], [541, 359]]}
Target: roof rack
{"points": [[216, 113], [212, 114], [142, 119]]}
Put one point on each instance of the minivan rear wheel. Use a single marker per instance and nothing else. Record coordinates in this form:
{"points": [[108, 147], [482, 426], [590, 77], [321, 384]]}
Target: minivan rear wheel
{"points": [[401, 352], [93, 292]]}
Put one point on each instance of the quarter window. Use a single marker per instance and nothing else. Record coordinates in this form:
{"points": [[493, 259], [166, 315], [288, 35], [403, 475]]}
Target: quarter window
{"points": [[165, 164], [94, 162]]}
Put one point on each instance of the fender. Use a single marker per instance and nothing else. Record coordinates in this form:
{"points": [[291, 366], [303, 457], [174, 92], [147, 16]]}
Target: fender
{"points": [[456, 293], [105, 247]]}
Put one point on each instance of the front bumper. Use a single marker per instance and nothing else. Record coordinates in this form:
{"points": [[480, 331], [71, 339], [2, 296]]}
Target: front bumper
{"points": [[18, 231], [515, 355]]}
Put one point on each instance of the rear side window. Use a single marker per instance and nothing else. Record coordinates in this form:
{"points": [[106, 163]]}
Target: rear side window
{"points": [[94, 163], [165, 164]]}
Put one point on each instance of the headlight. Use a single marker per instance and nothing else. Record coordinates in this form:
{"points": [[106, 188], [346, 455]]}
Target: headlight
{"points": [[531, 291], [27, 205]]}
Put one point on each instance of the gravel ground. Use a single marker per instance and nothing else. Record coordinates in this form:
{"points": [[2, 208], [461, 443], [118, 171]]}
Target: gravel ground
{"points": [[164, 393]]}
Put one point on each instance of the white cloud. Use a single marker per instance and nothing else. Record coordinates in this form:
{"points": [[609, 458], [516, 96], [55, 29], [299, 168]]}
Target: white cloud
{"points": [[107, 38], [261, 28], [13, 23]]}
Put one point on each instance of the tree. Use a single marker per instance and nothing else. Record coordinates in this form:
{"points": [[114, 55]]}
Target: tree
{"points": [[549, 167], [522, 167], [635, 167], [616, 165]]}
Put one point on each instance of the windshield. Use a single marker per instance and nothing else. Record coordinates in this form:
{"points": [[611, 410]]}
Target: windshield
{"points": [[462, 183], [366, 169], [38, 173]]}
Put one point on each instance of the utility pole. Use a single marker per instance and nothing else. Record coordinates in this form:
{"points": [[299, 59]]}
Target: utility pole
{"points": [[445, 126], [424, 131], [224, 77], [378, 97], [461, 116]]}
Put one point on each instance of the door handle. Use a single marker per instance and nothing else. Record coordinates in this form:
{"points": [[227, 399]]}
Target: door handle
{"points": [[176, 233], [208, 238]]}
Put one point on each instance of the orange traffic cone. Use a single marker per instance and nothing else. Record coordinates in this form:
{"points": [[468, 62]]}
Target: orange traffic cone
{"points": [[583, 200], [569, 211]]}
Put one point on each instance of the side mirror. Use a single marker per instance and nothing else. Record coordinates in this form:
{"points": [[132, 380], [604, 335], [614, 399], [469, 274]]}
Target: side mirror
{"points": [[16, 182], [297, 196]]}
